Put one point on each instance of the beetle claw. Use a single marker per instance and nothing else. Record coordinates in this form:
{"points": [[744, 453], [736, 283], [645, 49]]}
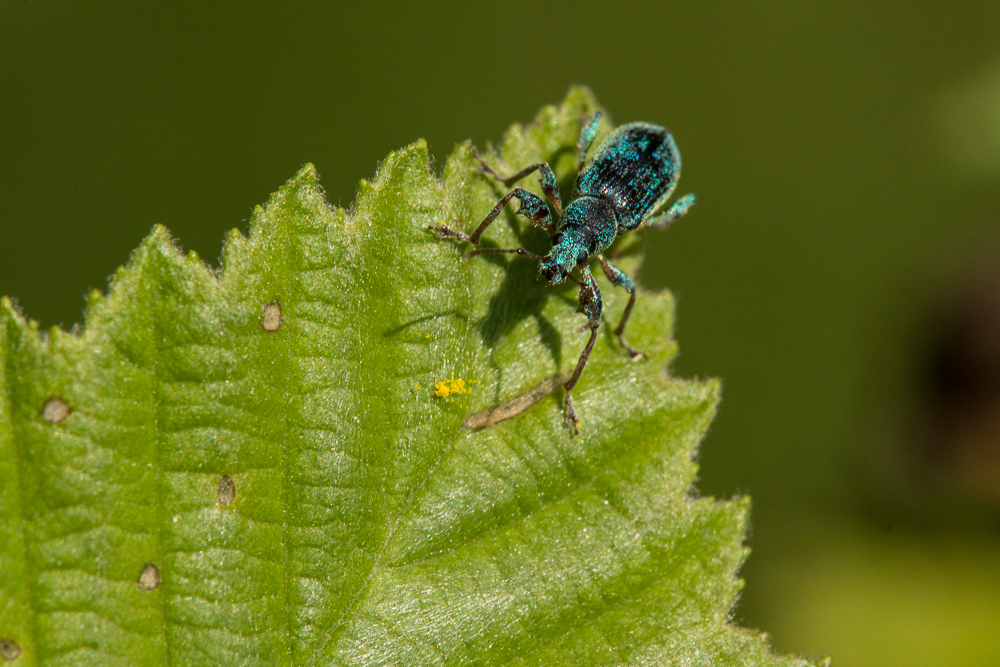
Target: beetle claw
{"points": [[444, 232]]}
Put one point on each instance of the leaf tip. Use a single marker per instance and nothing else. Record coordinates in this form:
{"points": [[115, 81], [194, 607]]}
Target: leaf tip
{"points": [[580, 96], [306, 175], [158, 241], [406, 159], [12, 314], [158, 234], [713, 388]]}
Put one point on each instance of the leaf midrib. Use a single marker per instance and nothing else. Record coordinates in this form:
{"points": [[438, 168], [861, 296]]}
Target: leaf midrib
{"points": [[158, 437], [33, 622], [281, 279], [387, 353]]}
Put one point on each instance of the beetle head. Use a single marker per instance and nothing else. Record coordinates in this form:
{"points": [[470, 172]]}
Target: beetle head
{"points": [[570, 247]]}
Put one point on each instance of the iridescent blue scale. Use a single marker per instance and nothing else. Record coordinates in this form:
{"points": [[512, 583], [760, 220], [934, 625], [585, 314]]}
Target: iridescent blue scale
{"points": [[636, 168]]}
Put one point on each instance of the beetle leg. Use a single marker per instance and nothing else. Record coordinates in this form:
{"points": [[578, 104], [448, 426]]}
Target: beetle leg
{"points": [[621, 279], [532, 207], [547, 178], [679, 208], [497, 251], [590, 305], [587, 134]]}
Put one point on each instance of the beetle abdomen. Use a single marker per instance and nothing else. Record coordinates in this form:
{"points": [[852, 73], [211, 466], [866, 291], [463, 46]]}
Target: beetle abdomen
{"points": [[636, 167]]}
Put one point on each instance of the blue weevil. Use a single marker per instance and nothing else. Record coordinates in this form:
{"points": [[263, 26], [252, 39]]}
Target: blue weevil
{"points": [[629, 178]]}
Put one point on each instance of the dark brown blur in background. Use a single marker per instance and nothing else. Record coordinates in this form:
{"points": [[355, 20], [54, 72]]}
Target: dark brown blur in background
{"points": [[840, 273]]}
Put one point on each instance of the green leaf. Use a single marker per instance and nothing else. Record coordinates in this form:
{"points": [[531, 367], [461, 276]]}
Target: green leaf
{"points": [[252, 466]]}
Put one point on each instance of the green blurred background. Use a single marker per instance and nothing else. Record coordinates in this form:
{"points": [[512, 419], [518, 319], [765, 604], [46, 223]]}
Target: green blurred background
{"points": [[840, 271]]}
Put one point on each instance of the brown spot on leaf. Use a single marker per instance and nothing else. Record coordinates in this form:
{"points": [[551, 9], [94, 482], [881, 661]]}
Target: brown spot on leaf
{"points": [[149, 578], [270, 318], [55, 410], [10, 650], [226, 492]]}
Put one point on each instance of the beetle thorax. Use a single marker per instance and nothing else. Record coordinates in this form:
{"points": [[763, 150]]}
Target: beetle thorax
{"points": [[589, 226]]}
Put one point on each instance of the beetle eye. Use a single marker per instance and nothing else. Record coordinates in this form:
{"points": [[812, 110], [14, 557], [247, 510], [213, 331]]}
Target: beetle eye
{"points": [[581, 257], [557, 239]]}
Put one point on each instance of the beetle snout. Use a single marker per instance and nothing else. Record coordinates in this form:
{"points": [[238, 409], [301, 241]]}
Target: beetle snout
{"points": [[552, 271]]}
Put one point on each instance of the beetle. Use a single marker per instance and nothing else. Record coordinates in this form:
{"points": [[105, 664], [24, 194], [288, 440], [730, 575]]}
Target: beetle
{"points": [[628, 180]]}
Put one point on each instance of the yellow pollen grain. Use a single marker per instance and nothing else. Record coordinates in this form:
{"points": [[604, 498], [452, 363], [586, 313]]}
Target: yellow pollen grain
{"points": [[449, 387]]}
